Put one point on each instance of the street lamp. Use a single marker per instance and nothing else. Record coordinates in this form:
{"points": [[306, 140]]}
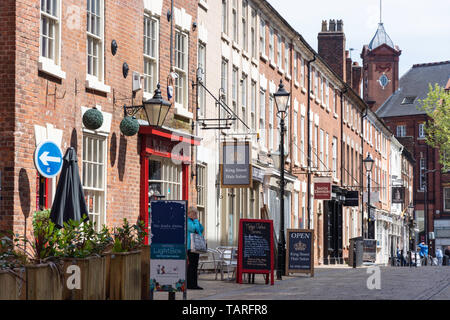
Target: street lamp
{"points": [[368, 164], [282, 98], [156, 110]]}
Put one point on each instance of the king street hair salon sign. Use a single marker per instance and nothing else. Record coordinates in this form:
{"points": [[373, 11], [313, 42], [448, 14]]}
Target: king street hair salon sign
{"points": [[235, 169]]}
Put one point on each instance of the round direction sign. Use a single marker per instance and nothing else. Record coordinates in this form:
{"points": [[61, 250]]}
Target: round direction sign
{"points": [[48, 159]]}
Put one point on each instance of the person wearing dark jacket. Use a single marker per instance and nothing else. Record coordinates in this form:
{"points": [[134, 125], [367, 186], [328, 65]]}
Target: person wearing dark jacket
{"points": [[194, 226]]}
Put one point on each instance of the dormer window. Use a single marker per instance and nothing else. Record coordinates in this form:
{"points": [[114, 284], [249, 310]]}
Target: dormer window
{"points": [[409, 100]]}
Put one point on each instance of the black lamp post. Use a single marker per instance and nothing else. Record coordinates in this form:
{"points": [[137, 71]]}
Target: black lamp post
{"points": [[368, 163], [156, 108], [282, 98]]}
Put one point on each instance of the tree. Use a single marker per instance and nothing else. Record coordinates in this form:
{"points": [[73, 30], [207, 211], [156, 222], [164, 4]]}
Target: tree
{"points": [[437, 107]]}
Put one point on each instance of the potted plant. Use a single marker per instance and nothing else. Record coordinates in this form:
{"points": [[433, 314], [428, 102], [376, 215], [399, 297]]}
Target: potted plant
{"points": [[82, 246], [44, 273], [12, 270], [124, 267]]}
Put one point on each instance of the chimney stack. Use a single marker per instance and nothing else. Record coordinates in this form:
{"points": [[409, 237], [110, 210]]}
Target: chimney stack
{"points": [[356, 77], [331, 47]]}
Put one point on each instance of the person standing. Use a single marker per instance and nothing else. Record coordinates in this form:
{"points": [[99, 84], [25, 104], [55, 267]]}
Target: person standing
{"points": [[439, 256], [423, 252], [194, 226]]}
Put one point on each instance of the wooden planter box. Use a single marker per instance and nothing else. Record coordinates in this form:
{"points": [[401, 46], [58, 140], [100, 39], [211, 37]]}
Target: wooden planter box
{"points": [[124, 276], [92, 279], [43, 283], [145, 272], [12, 287]]}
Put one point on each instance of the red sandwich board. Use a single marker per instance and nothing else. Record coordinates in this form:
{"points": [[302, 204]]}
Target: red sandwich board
{"points": [[255, 249]]}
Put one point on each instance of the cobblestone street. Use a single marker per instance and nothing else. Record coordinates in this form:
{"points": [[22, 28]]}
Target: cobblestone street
{"points": [[328, 283]]}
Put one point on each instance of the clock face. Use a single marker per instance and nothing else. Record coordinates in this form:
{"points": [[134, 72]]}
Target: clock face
{"points": [[383, 80]]}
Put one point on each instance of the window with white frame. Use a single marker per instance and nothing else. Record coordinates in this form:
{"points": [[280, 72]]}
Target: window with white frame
{"points": [[253, 107], [401, 131], [302, 140], [279, 49], [296, 224], [165, 178], [262, 116], [95, 38], [446, 199], [234, 20], [296, 67], [201, 191], [50, 36], [327, 91], [327, 160], [271, 133], [234, 95], [303, 218], [422, 174], [224, 16], [262, 37], [334, 93], [295, 136], [302, 72], [244, 89], [271, 44], [287, 67], [201, 64], [224, 85], [150, 53], [321, 154], [322, 91], [316, 143], [287, 133], [421, 130], [316, 85], [244, 25], [335, 154], [253, 33], [94, 177], [181, 68]]}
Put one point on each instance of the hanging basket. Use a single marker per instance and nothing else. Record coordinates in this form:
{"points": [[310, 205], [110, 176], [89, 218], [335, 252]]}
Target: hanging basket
{"points": [[93, 119], [129, 126]]}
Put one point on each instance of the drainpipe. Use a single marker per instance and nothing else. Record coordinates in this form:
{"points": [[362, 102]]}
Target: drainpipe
{"points": [[309, 139]]}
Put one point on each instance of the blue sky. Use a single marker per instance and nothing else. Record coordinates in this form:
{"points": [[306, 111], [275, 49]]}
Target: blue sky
{"points": [[420, 28]]}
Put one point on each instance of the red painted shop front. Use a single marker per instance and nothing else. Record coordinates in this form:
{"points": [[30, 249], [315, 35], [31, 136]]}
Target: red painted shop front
{"points": [[165, 165]]}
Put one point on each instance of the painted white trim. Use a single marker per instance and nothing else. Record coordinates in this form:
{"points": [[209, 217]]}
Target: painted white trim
{"points": [[180, 110], [105, 129], [48, 66], [93, 83], [153, 6], [182, 19]]}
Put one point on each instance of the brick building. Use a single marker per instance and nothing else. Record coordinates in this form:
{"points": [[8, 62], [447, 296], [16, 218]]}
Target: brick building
{"points": [[403, 115], [58, 62]]}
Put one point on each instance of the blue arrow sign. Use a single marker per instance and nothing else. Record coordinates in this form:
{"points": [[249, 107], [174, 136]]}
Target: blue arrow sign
{"points": [[48, 159]]}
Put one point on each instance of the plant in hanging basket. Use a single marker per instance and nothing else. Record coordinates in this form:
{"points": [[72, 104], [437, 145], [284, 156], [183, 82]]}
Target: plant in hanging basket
{"points": [[129, 126], [93, 119]]}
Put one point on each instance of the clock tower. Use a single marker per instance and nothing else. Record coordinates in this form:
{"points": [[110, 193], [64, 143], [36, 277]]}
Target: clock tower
{"points": [[380, 68]]}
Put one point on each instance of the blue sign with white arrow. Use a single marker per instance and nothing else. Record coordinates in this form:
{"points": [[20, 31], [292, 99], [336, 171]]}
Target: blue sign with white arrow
{"points": [[48, 159]]}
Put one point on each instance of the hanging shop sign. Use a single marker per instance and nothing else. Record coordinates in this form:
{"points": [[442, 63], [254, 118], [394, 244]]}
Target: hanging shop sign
{"points": [[255, 251], [370, 250], [168, 246], [351, 199], [300, 251], [235, 168], [398, 194], [322, 190]]}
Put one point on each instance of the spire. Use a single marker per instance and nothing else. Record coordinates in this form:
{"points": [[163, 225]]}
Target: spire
{"points": [[380, 37]]}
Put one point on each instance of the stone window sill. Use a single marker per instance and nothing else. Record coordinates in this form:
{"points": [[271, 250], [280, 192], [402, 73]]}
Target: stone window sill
{"points": [[49, 67], [94, 84]]}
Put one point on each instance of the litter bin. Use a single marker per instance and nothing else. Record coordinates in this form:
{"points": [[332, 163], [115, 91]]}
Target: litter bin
{"points": [[355, 257]]}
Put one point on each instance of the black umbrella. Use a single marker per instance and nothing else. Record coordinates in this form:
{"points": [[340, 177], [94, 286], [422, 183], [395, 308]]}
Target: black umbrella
{"points": [[69, 202]]}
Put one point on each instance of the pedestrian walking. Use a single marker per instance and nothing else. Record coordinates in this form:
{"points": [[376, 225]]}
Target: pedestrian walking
{"points": [[423, 252], [194, 226], [439, 256]]}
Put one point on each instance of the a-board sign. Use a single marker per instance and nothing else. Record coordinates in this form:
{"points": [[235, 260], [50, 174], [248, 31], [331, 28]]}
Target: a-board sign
{"points": [[370, 250], [255, 252], [168, 228], [300, 251], [235, 168]]}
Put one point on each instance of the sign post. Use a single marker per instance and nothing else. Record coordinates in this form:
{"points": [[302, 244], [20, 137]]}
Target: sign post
{"points": [[168, 247], [300, 251], [255, 251]]}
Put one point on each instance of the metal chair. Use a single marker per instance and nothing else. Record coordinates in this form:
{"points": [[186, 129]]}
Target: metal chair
{"points": [[228, 261], [208, 259]]}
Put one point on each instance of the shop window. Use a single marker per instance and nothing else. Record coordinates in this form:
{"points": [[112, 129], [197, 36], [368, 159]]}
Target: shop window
{"points": [[93, 176], [164, 179]]}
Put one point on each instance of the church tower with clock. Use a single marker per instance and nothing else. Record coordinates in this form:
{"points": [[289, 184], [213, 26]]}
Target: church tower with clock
{"points": [[380, 68]]}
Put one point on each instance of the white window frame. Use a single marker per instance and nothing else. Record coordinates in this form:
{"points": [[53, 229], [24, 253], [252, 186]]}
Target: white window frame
{"points": [[91, 182], [174, 171], [181, 70], [98, 68], [271, 117], [302, 71], [262, 117], [271, 45], [295, 136], [234, 21], [446, 197], [245, 25], [422, 131], [51, 63], [253, 33], [234, 95], [201, 63], [224, 16], [302, 139], [279, 47], [401, 131], [262, 37], [335, 157], [151, 81], [253, 105], [287, 67], [244, 97]]}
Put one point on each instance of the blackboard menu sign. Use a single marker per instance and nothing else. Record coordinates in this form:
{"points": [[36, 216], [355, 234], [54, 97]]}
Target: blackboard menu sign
{"points": [[255, 247], [300, 251]]}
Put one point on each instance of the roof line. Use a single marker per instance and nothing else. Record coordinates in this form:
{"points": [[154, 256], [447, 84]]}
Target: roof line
{"points": [[430, 64]]}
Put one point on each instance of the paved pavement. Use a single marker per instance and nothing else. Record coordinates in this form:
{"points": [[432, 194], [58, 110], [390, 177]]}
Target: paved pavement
{"points": [[331, 283]]}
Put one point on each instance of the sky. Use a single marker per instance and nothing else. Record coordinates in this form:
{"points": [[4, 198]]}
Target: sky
{"points": [[421, 28]]}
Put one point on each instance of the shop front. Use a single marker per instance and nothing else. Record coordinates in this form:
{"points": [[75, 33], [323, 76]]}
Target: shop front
{"points": [[332, 227], [165, 166]]}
